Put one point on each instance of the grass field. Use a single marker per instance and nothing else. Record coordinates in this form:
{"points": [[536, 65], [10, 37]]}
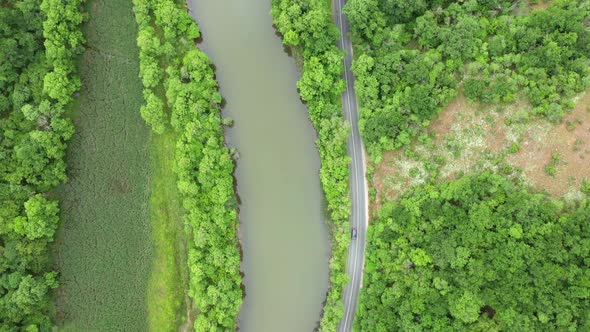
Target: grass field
{"points": [[117, 252], [168, 304]]}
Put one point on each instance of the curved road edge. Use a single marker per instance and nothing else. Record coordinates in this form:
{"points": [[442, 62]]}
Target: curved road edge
{"points": [[359, 218]]}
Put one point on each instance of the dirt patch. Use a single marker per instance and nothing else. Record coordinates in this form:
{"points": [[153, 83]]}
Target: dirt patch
{"points": [[444, 123], [385, 180], [570, 140], [539, 5], [456, 140], [470, 137], [119, 185]]}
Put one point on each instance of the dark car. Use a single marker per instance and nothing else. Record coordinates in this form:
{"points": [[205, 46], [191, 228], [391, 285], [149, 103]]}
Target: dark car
{"points": [[353, 233]]}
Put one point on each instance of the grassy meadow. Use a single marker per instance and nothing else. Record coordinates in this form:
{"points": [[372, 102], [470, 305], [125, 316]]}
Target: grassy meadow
{"points": [[117, 251], [168, 304]]}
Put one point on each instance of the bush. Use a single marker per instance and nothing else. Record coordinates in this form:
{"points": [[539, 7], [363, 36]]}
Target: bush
{"points": [[551, 168]]}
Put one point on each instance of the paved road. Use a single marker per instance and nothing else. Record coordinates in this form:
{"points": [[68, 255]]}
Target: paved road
{"points": [[358, 185]]}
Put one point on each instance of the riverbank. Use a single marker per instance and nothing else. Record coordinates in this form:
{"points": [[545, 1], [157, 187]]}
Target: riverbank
{"points": [[182, 100], [321, 86]]}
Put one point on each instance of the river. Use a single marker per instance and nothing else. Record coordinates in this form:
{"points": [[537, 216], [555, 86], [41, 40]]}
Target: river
{"points": [[283, 231]]}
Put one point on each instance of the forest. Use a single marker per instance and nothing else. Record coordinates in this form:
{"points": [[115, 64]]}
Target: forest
{"points": [[181, 96], [40, 41], [481, 253], [479, 249], [308, 29], [413, 57]]}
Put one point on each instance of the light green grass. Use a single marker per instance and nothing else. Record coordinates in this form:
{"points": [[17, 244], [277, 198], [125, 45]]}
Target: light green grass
{"points": [[116, 250], [167, 302]]}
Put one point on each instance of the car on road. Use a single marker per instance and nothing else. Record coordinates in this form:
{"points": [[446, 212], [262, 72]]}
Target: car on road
{"points": [[353, 233]]}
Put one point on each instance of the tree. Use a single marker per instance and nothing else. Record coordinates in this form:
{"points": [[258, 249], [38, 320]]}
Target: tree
{"points": [[365, 17], [57, 85], [40, 221], [153, 112], [399, 11]]}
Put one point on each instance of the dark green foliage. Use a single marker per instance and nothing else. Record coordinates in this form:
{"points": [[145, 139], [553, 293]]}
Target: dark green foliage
{"points": [[182, 95], [307, 27], [21, 33], [414, 53], [39, 40], [477, 254]]}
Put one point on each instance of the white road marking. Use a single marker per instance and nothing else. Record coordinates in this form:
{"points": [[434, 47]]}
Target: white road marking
{"points": [[352, 263], [355, 162]]}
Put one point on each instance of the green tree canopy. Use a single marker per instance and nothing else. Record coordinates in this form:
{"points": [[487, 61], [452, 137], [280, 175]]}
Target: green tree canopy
{"points": [[38, 40], [421, 52], [478, 254]]}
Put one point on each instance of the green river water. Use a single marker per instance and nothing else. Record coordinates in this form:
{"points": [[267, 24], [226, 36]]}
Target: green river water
{"points": [[284, 235]]}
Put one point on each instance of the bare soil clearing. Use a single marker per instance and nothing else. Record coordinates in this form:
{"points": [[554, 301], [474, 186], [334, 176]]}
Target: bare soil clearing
{"points": [[540, 5], [570, 139], [468, 137]]}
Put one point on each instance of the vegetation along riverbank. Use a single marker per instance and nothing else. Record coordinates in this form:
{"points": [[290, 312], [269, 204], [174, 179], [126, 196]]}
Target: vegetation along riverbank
{"points": [[181, 97], [308, 28]]}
